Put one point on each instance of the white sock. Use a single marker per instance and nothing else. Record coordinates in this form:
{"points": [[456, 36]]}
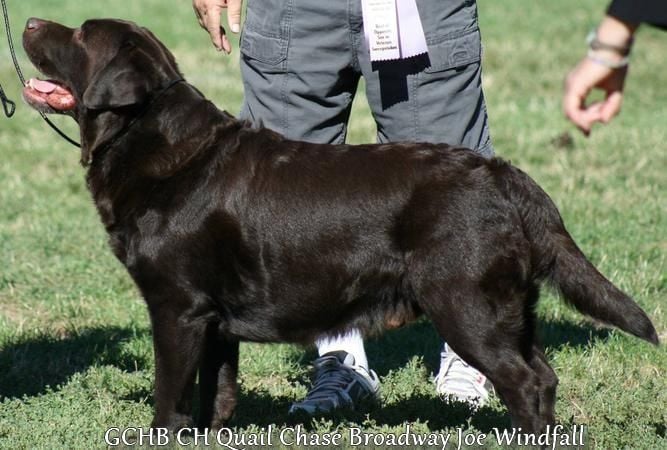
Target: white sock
{"points": [[350, 342]]}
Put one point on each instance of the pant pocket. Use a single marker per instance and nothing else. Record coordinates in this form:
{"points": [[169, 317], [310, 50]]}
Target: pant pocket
{"points": [[454, 52], [268, 50], [266, 31]]}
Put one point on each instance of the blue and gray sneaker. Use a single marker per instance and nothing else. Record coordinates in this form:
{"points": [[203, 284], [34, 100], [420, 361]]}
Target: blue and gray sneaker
{"points": [[338, 384]]}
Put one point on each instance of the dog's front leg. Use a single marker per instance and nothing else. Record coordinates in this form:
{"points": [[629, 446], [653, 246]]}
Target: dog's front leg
{"points": [[177, 343], [217, 379]]}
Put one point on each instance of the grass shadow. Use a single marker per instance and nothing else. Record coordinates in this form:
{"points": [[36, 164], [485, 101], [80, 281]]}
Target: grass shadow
{"points": [[394, 350], [36, 362], [555, 334], [438, 414]]}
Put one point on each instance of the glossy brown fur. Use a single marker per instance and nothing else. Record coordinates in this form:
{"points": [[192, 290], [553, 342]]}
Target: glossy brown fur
{"points": [[234, 233]]}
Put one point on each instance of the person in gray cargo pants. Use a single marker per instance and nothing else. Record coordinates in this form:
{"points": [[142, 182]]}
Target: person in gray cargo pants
{"points": [[301, 62]]}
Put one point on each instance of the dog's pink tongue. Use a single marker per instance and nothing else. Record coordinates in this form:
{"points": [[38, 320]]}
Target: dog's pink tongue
{"points": [[45, 87]]}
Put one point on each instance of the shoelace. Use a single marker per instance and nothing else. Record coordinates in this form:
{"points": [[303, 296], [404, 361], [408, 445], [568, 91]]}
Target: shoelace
{"points": [[331, 376]]}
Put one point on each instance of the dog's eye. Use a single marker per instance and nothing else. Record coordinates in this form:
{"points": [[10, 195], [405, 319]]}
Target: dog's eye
{"points": [[128, 44]]}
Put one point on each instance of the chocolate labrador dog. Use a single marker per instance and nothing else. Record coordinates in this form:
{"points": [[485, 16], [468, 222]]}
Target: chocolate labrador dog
{"points": [[234, 233]]}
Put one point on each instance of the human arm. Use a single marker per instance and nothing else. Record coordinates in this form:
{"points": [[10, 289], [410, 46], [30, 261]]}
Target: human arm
{"points": [[605, 68]]}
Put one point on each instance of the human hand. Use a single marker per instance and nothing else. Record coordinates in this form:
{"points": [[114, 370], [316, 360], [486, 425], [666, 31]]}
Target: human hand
{"points": [[586, 76], [604, 67], [208, 14]]}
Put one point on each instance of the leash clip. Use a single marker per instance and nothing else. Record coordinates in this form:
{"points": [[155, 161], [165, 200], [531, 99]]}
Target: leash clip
{"points": [[8, 105]]}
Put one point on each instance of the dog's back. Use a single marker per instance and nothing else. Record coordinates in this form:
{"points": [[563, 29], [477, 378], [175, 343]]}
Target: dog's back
{"points": [[343, 232]]}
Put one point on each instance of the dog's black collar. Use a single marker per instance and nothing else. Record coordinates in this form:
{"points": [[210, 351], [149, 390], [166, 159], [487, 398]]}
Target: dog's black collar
{"points": [[126, 128]]}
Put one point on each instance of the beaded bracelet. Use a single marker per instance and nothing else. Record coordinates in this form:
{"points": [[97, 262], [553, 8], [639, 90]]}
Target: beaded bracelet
{"points": [[607, 62], [594, 44]]}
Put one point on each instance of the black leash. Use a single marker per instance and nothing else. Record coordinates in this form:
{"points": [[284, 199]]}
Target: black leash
{"points": [[8, 105]]}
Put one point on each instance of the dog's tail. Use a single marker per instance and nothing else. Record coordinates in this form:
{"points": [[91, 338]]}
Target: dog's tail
{"points": [[556, 258]]}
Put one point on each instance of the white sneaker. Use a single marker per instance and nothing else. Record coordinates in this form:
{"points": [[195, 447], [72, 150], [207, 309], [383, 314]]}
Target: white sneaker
{"points": [[458, 381], [338, 384]]}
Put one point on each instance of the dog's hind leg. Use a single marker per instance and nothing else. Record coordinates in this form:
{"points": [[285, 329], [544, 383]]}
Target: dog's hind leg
{"points": [[489, 334], [537, 360], [548, 384], [217, 379]]}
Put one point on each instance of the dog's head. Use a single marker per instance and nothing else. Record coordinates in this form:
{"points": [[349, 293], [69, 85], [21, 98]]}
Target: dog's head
{"points": [[104, 64]]}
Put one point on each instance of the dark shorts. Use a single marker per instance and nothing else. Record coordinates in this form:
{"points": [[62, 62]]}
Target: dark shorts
{"points": [[301, 62]]}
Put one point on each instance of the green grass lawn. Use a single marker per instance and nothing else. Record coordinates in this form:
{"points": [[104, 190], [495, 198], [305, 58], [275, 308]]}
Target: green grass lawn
{"points": [[75, 345]]}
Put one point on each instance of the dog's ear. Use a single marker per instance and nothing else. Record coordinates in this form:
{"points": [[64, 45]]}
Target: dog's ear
{"points": [[124, 81]]}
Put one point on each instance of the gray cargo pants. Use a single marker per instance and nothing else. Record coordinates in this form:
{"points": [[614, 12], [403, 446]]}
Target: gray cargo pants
{"points": [[301, 61]]}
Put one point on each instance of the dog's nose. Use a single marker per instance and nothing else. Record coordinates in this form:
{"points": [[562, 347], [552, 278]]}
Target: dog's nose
{"points": [[33, 24]]}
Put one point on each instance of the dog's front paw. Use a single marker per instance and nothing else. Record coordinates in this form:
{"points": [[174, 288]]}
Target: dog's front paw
{"points": [[173, 422]]}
